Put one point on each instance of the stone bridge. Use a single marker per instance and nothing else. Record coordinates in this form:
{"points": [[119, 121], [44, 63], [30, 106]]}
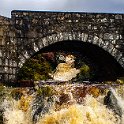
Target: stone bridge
{"points": [[28, 32]]}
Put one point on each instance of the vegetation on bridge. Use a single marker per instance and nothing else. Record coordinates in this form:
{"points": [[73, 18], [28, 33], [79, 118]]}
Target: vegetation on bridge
{"points": [[39, 67], [36, 68]]}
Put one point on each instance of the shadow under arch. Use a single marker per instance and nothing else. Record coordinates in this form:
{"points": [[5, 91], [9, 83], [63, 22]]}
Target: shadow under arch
{"points": [[104, 65], [37, 44]]}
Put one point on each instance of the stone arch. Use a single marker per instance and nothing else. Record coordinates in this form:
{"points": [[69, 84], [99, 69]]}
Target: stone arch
{"points": [[78, 36]]}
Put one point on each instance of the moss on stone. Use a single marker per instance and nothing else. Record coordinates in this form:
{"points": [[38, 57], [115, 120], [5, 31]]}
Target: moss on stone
{"points": [[16, 94], [120, 80], [84, 72], [35, 69], [45, 91]]}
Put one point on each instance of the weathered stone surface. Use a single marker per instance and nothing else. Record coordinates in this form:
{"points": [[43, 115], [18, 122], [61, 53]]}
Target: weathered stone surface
{"points": [[31, 31], [86, 24], [7, 50]]}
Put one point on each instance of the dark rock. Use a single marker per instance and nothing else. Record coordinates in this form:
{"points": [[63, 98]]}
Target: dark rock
{"points": [[16, 94], [1, 117], [41, 106], [112, 103], [26, 83], [64, 98], [79, 92]]}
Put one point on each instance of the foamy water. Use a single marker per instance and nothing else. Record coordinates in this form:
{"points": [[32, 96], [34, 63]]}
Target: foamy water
{"points": [[90, 112], [120, 102]]}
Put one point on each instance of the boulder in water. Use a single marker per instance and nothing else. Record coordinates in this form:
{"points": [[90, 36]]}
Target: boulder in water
{"points": [[41, 106], [112, 103]]}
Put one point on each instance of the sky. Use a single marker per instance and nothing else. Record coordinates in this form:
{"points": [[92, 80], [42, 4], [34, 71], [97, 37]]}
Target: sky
{"points": [[104, 6]]}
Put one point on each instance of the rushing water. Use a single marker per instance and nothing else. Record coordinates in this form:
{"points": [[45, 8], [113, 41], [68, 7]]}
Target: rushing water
{"points": [[59, 101], [120, 102], [60, 104], [91, 112]]}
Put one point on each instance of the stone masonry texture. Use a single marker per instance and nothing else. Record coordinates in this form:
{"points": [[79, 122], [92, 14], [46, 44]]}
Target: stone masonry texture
{"points": [[27, 32]]}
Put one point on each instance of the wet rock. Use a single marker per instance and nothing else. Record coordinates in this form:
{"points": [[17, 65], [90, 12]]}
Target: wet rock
{"points": [[64, 98], [79, 92], [26, 83], [94, 91], [46, 91], [112, 103], [1, 117], [16, 94], [41, 106]]}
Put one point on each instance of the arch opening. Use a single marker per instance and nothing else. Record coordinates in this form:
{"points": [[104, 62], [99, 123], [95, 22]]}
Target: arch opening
{"points": [[103, 66]]}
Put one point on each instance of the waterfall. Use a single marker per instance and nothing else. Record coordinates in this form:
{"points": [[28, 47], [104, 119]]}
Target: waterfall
{"points": [[120, 103], [59, 104]]}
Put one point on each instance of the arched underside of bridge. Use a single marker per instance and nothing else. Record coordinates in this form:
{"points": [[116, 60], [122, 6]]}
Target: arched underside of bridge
{"points": [[30, 48], [103, 64]]}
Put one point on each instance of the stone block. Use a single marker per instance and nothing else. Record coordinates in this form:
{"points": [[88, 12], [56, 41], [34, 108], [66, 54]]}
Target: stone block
{"points": [[1, 32]]}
